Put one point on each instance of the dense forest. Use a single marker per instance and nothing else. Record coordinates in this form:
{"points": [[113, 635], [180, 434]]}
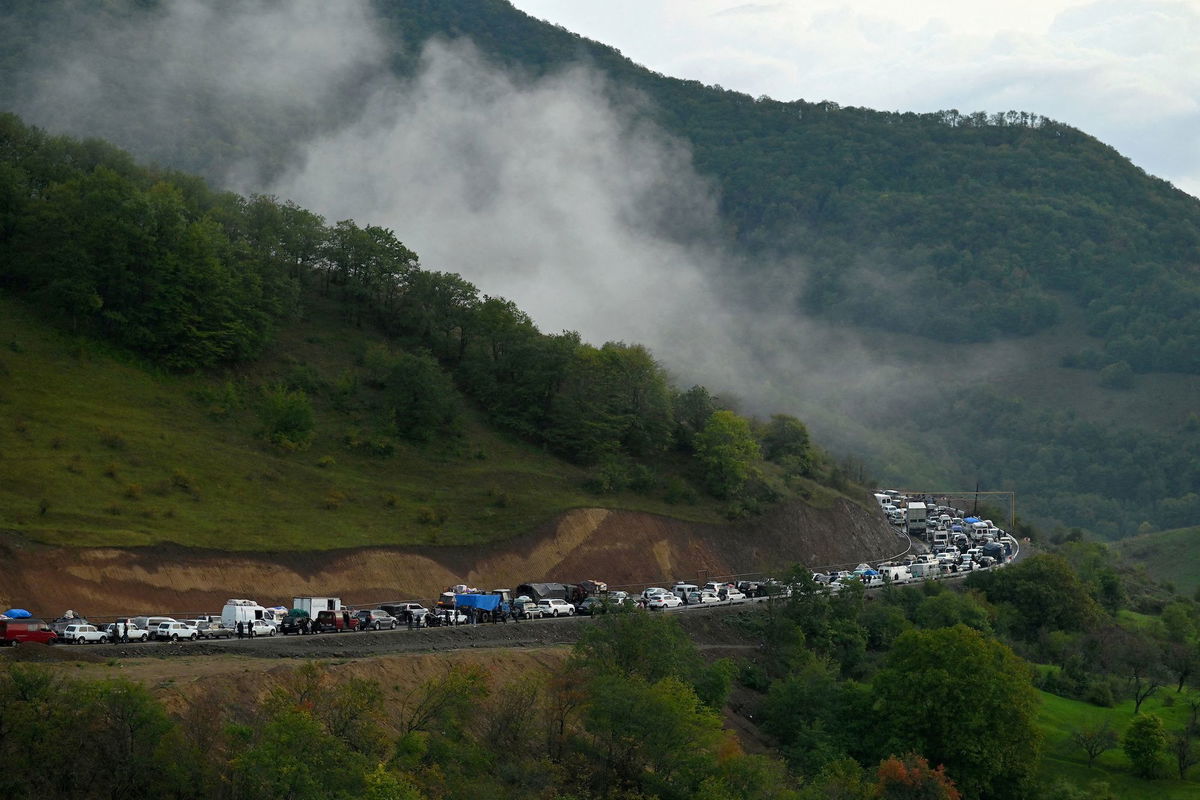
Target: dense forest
{"points": [[190, 279], [953, 226], [1001, 217], [1064, 676], [994, 215]]}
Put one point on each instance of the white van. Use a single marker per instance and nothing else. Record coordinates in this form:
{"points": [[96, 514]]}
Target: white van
{"points": [[243, 611], [893, 574], [682, 590]]}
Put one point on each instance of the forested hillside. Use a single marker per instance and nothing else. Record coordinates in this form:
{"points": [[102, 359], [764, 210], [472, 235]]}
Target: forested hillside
{"points": [[406, 362], [989, 213], [951, 228]]}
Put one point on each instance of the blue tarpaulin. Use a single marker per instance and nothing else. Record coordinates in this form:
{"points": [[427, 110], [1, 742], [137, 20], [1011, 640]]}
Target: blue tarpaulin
{"points": [[17, 613], [484, 602], [971, 520]]}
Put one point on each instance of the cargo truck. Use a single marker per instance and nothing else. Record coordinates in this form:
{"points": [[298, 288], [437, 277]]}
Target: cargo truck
{"points": [[918, 519]]}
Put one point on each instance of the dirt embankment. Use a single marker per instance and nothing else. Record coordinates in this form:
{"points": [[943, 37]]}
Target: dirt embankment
{"points": [[620, 547]]}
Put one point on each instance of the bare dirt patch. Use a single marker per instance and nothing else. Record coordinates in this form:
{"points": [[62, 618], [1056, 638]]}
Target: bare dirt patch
{"points": [[620, 547]]}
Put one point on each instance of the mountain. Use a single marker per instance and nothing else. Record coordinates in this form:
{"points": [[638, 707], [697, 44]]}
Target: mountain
{"points": [[1010, 302]]}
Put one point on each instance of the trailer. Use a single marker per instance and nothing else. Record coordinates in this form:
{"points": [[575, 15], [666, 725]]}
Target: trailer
{"points": [[314, 604]]}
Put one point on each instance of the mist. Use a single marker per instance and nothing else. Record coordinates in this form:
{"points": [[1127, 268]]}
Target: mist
{"points": [[553, 192]]}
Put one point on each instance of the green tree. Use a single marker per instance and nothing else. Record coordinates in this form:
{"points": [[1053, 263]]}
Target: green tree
{"points": [[949, 716], [291, 755], [653, 647], [1145, 745], [1040, 592], [785, 441], [727, 449], [672, 759]]}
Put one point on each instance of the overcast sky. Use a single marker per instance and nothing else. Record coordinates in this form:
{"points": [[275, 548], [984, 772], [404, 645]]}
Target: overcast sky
{"points": [[1125, 71]]}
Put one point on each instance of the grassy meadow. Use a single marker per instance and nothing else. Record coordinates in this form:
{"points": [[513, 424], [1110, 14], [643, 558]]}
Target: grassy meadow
{"points": [[97, 450], [1168, 556], [1059, 717]]}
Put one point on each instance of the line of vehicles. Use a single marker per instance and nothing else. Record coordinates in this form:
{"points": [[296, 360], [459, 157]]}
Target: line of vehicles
{"points": [[958, 544]]}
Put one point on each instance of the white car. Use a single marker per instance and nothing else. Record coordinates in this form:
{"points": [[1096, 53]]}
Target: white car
{"points": [[653, 590], [176, 631], [732, 595], [553, 607], [702, 597], [84, 634], [663, 600], [132, 632], [262, 627]]}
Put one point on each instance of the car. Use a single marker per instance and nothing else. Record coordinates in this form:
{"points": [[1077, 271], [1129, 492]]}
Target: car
{"points": [[84, 633], [591, 605], [663, 601], [376, 619], [129, 631], [263, 627], [653, 590], [296, 623], [732, 594], [447, 616], [702, 597], [214, 630], [403, 611], [59, 626], [553, 607], [525, 607], [176, 631]]}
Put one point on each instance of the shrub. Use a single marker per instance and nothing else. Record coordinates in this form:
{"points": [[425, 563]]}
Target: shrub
{"points": [[333, 500], [134, 491], [427, 515], [324, 462], [112, 439], [110, 470], [182, 481], [1117, 376], [286, 417], [679, 492], [303, 378]]}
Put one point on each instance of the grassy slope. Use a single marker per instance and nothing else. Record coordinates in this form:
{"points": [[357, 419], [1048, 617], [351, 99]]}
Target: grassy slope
{"points": [[123, 456], [1059, 717], [1167, 556]]}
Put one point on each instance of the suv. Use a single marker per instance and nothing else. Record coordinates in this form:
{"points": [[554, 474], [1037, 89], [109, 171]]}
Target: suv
{"points": [[130, 631], [553, 607], [375, 619], [176, 631], [84, 633], [401, 611]]}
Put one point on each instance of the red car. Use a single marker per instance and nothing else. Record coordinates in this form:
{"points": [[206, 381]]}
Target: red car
{"points": [[15, 631]]}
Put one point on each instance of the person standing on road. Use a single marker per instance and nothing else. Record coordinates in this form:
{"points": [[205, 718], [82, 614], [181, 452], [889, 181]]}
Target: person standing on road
{"points": [[240, 629]]}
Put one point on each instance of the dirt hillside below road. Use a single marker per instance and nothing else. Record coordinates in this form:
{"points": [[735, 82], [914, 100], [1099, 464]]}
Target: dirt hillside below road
{"points": [[620, 547]]}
